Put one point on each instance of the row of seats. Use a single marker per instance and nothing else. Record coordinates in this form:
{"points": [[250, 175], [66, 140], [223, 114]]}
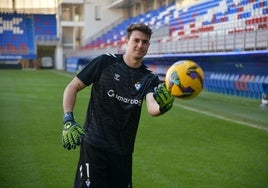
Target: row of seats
{"points": [[19, 32], [45, 24], [245, 85], [204, 17]]}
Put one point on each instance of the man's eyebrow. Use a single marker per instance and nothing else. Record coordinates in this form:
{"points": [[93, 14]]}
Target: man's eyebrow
{"points": [[135, 38]]}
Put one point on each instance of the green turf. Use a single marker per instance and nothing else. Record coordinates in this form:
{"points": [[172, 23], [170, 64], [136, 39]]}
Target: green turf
{"points": [[180, 149]]}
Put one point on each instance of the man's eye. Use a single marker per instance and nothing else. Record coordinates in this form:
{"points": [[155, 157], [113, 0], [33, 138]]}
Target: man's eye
{"points": [[145, 42]]}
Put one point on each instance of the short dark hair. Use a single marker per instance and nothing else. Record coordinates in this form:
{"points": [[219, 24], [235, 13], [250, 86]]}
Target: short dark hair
{"points": [[140, 27]]}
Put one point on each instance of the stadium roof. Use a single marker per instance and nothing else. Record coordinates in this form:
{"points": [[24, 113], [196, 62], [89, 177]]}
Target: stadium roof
{"points": [[29, 6], [121, 4]]}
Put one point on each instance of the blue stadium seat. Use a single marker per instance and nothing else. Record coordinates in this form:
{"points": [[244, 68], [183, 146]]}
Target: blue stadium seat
{"points": [[206, 84], [234, 84], [226, 84], [19, 38], [265, 85], [260, 84], [215, 82], [210, 81], [200, 18], [250, 85], [45, 24], [221, 87], [257, 85]]}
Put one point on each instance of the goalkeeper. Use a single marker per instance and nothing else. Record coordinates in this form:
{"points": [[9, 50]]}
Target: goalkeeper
{"points": [[120, 83]]}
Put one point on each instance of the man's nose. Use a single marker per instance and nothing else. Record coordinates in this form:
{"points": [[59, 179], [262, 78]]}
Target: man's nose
{"points": [[140, 44]]}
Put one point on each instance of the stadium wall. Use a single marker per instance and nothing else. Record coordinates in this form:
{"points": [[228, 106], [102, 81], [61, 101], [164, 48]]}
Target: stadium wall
{"points": [[243, 74], [97, 17]]}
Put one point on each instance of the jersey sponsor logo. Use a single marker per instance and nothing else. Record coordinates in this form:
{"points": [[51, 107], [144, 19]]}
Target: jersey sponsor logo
{"points": [[111, 93]]}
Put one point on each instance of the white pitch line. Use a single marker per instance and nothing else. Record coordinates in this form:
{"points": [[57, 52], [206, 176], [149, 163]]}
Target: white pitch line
{"points": [[199, 111], [62, 74], [222, 117]]}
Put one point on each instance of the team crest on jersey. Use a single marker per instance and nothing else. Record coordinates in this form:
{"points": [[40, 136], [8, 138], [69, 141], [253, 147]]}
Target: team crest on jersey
{"points": [[88, 183], [138, 86]]}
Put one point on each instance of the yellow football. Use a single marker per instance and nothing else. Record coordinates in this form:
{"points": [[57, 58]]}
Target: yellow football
{"points": [[184, 79]]}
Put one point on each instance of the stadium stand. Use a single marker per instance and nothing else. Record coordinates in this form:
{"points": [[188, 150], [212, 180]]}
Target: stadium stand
{"points": [[229, 19], [228, 38], [207, 32], [45, 27], [19, 34]]}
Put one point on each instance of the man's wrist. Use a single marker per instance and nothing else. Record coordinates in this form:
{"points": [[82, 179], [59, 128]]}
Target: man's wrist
{"points": [[68, 116]]}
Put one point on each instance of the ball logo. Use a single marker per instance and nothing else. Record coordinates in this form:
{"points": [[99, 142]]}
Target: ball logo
{"points": [[192, 72], [174, 79]]}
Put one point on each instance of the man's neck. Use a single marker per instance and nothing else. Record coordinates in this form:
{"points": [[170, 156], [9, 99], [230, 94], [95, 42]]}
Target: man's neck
{"points": [[131, 62]]}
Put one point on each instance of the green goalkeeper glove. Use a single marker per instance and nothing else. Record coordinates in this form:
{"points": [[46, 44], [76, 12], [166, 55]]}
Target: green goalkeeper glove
{"points": [[163, 98], [72, 132]]}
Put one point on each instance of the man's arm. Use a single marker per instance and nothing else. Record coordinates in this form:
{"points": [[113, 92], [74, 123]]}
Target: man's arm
{"points": [[70, 92], [72, 131], [152, 105]]}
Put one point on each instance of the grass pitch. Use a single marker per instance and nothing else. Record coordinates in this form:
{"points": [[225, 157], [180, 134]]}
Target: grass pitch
{"points": [[183, 148]]}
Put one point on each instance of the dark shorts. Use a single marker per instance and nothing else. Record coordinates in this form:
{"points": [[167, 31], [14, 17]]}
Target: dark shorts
{"points": [[99, 169]]}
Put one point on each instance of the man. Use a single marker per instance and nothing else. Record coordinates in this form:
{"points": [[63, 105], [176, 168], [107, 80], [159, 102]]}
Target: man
{"points": [[119, 82]]}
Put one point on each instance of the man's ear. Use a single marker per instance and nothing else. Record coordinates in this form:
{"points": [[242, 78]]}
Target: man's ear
{"points": [[125, 39]]}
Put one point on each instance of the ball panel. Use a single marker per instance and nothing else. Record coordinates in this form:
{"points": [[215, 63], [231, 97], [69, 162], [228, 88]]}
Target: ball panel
{"points": [[184, 79]]}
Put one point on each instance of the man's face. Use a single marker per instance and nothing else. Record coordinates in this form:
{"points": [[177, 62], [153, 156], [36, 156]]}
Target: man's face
{"points": [[137, 44]]}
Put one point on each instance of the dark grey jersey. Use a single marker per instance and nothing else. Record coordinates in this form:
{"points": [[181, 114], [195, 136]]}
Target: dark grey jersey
{"points": [[115, 103]]}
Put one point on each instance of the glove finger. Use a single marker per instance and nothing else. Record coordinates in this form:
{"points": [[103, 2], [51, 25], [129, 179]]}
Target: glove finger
{"points": [[78, 141], [157, 98], [73, 146], [80, 130], [162, 97], [67, 145], [76, 137], [65, 141], [71, 141], [160, 85], [157, 94], [168, 96]]}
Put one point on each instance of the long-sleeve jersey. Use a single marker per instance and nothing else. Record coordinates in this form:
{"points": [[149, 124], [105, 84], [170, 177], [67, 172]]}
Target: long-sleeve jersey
{"points": [[115, 103]]}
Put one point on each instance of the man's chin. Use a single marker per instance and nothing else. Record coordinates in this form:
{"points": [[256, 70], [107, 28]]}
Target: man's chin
{"points": [[139, 55]]}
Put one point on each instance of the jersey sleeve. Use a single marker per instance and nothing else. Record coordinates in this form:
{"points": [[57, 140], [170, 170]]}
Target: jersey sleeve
{"points": [[152, 80], [154, 83], [92, 71]]}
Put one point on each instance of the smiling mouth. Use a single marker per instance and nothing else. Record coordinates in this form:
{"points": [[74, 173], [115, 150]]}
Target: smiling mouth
{"points": [[138, 51]]}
